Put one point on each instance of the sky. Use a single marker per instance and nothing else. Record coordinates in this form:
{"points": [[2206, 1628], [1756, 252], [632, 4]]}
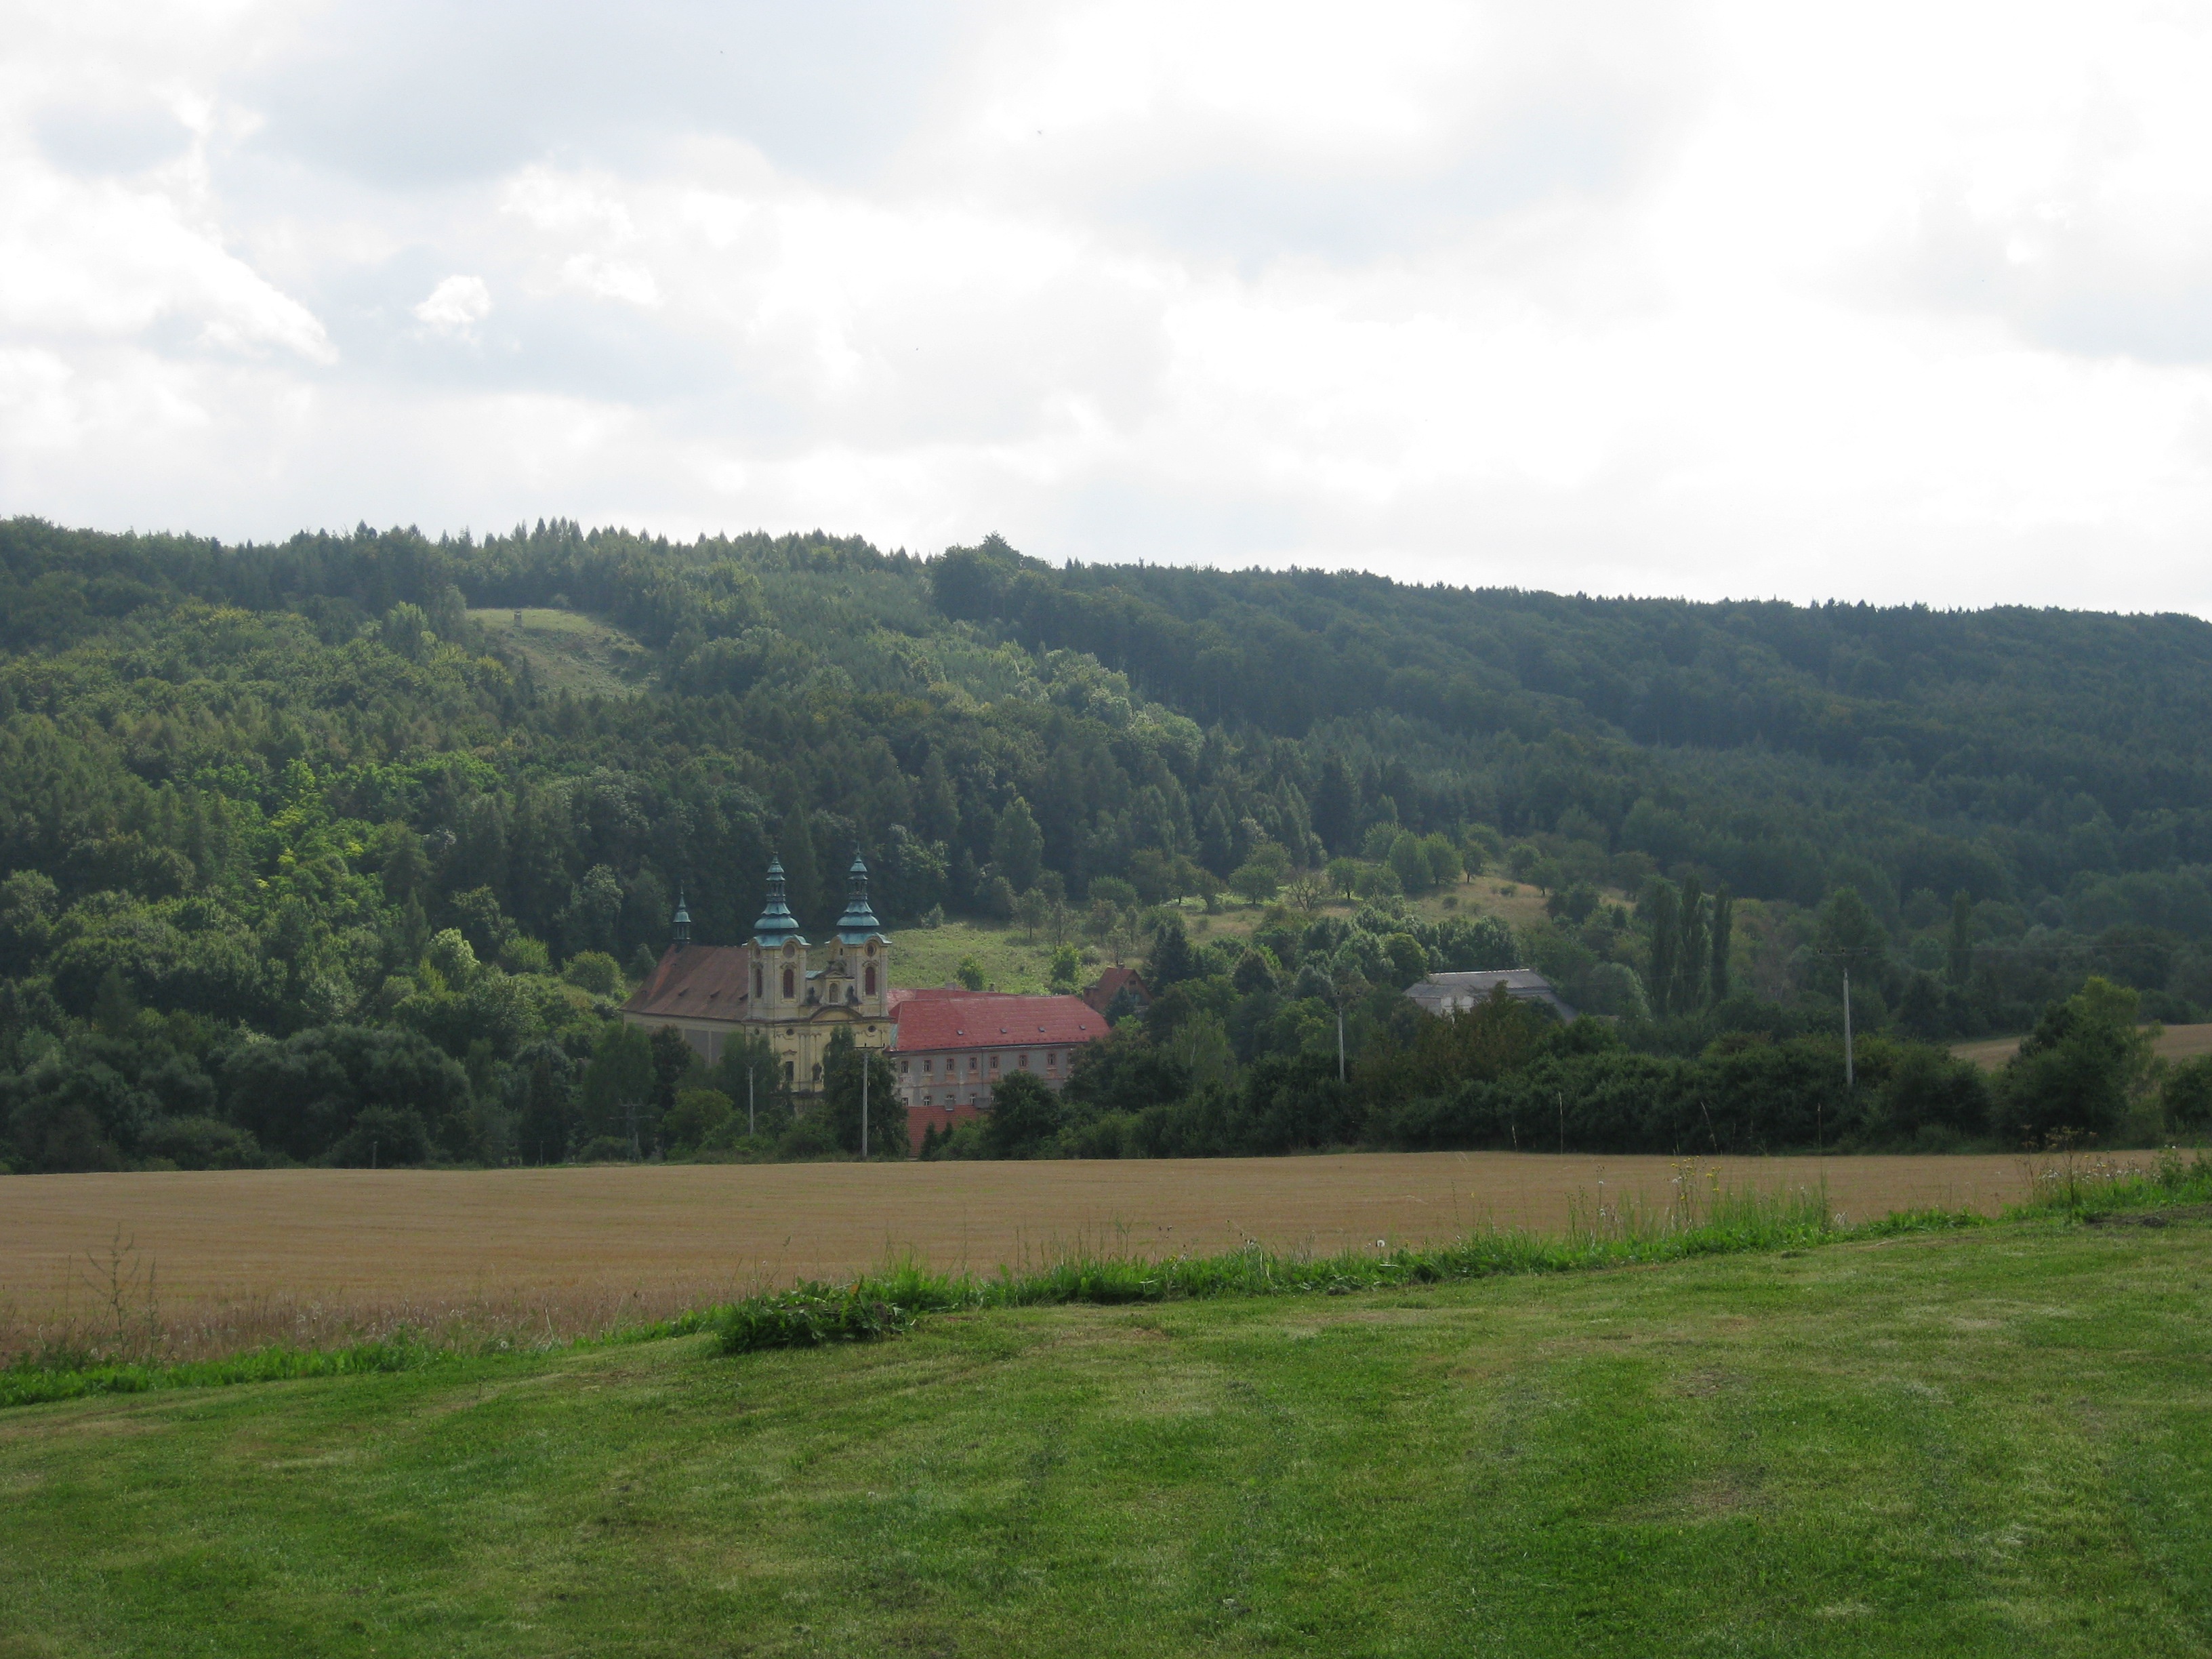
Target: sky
{"points": [[1901, 303]]}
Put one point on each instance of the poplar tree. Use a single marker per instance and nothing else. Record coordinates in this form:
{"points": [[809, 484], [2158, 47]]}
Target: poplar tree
{"points": [[1697, 943], [1663, 908], [1724, 940], [1958, 963]]}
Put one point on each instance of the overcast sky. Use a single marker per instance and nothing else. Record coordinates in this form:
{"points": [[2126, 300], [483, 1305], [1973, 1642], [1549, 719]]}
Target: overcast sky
{"points": [[1899, 302]]}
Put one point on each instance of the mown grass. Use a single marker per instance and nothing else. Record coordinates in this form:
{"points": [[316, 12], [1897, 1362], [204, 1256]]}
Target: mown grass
{"points": [[1991, 1440]]}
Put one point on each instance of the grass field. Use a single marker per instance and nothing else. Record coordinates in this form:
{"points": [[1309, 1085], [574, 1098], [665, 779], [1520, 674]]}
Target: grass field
{"points": [[570, 651], [2174, 1042], [1991, 1443], [223, 1260], [1012, 961]]}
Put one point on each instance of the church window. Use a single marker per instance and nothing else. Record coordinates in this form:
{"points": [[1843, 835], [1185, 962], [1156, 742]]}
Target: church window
{"points": [[788, 982], [869, 978], [756, 979], [786, 1071]]}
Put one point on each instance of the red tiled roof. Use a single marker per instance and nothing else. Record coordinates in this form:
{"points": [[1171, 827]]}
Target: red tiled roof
{"points": [[1100, 991], [974, 1020], [700, 982], [932, 993]]}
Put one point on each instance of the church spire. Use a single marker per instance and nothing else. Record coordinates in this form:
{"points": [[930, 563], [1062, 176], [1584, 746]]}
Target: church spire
{"points": [[776, 925], [858, 924], [680, 929]]}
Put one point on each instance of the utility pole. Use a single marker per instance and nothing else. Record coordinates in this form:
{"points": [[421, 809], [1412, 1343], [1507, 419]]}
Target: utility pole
{"points": [[864, 1105], [1849, 1080], [752, 1076]]}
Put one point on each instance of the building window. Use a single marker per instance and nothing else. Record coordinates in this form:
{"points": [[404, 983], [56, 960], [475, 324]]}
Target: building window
{"points": [[971, 1065], [1051, 1060], [906, 1067], [927, 1101], [786, 1071], [1023, 1062], [868, 979], [788, 982], [995, 1062], [756, 979]]}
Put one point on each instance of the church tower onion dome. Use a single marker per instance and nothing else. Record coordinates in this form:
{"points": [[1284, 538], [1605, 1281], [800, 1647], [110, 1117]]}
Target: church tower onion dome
{"points": [[858, 924], [776, 926]]}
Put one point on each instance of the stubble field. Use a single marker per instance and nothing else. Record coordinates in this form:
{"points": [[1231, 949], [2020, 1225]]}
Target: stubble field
{"points": [[197, 1264]]}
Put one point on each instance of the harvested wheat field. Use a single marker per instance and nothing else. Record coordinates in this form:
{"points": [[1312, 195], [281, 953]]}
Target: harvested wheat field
{"points": [[217, 1260], [2173, 1043]]}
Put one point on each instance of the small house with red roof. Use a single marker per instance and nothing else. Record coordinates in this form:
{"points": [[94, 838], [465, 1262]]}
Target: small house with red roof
{"points": [[1100, 991]]}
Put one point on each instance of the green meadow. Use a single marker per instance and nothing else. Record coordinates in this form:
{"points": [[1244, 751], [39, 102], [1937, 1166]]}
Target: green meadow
{"points": [[1991, 1440]]}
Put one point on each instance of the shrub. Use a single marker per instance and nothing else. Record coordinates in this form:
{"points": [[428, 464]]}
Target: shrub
{"points": [[384, 1136], [697, 1114], [970, 973], [1024, 1114], [595, 971], [2187, 1095], [1932, 1090], [808, 1316], [202, 1143]]}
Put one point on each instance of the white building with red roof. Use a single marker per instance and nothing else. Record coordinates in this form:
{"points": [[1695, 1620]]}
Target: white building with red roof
{"points": [[950, 1047]]}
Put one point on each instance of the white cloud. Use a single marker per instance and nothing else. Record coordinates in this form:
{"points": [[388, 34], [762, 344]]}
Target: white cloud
{"points": [[1905, 302], [456, 306]]}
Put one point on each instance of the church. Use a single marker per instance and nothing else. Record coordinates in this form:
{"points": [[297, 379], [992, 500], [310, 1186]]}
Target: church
{"points": [[795, 993], [948, 1046]]}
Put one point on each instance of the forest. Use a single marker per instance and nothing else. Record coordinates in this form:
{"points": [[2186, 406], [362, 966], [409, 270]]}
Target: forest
{"points": [[301, 859]]}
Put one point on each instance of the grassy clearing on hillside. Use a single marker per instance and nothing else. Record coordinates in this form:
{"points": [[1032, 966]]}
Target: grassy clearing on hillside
{"points": [[570, 651], [1012, 961], [1997, 1441]]}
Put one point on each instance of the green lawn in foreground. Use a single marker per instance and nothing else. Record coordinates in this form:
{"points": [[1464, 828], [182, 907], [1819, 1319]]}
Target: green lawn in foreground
{"points": [[1993, 1442]]}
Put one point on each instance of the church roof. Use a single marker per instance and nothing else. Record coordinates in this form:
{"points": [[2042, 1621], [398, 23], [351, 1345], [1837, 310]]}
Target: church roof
{"points": [[987, 1021], [776, 925], [858, 924], [696, 981]]}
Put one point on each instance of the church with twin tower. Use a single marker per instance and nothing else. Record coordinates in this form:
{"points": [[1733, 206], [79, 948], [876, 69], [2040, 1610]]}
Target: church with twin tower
{"points": [[778, 985]]}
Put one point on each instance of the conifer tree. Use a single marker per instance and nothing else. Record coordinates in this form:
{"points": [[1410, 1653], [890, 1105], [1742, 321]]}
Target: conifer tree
{"points": [[1723, 941], [1664, 910], [1958, 959], [1690, 963]]}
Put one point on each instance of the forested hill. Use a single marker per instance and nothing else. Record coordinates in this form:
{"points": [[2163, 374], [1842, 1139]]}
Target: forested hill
{"points": [[248, 785]]}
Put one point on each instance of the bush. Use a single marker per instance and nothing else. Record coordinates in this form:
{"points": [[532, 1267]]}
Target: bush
{"points": [[2187, 1095], [1930, 1089], [808, 1316], [2076, 1070], [970, 973], [807, 1135], [202, 1143], [1024, 1114], [597, 972], [383, 1137], [1111, 1135], [603, 1149], [697, 1114]]}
